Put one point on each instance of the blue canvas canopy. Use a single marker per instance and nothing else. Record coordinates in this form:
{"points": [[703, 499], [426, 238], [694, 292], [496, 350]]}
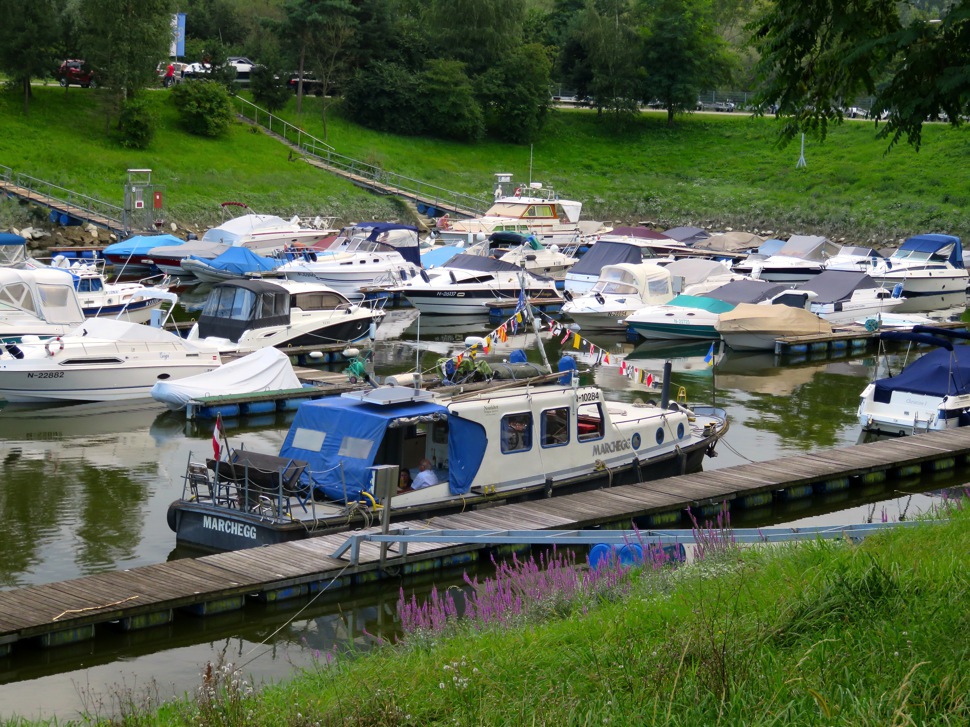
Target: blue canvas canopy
{"points": [[340, 438], [240, 260], [941, 372], [932, 243], [141, 244], [8, 238]]}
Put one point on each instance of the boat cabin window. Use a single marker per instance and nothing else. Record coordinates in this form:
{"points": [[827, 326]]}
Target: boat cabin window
{"points": [[318, 300], [589, 422], [59, 302], [659, 286], [89, 285], [540, 210], [439, 432], [555, 427], [516, 433], [17, 296]]}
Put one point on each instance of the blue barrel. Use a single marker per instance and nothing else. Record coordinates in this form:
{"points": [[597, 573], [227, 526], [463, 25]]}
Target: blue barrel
{"points": [[422, 208], [432, 212], [601, 554], [630, 555], [258, 407], [53, 216], [211, 412], [64, 219]]}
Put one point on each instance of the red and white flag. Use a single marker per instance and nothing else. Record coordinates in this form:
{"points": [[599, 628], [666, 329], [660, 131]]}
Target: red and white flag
{"points": [[217, 432]]}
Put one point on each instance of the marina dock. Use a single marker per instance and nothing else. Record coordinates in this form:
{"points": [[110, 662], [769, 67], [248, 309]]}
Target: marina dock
{"points": [[68, 612]]}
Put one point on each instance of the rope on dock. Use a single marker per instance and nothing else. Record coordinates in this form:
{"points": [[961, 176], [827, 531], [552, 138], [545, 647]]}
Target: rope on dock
{"points": [[94, 608]]}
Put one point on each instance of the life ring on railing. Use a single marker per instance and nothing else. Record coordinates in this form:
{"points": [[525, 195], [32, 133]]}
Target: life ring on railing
{"points": [[49, 346], [518, 191], [443, 223]]}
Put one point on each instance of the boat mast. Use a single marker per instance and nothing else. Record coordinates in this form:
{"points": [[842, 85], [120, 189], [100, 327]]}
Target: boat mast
{"points": [[528, 312]]}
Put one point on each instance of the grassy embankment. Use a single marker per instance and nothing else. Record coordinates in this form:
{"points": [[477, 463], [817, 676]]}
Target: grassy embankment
{"points": [[825, 633], [721, 171]]}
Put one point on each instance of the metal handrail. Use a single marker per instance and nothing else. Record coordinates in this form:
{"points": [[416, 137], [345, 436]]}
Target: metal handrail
{"points": [[325, 153], [83, 204]]}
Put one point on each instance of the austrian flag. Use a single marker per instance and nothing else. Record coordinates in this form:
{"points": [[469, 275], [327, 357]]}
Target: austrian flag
{"points": [[216, 433]]}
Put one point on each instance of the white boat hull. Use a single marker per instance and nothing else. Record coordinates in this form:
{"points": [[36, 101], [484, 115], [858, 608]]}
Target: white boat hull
{"points": [[911, 413]]}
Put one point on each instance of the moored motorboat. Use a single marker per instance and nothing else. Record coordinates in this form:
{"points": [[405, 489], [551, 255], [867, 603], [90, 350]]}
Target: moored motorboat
{"points": [[128, 255], [232, 263], [484, 447], [37, 302], [800, 258], [620, 290], [931, 269], [844, 296], [130, 300], [931, 393], [102, 359], [242, 316], [755, 327]]}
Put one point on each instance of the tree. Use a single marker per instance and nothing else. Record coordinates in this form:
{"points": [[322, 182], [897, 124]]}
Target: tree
{"points": [[452, 111], [386, 96], [269, 88], [682, 54], [203, 106], [608, 34], [516, 94], [478, 33], [817, 56], [27, 36], [123, 41]]}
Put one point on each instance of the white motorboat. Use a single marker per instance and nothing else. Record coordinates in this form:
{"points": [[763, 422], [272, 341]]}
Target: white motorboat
{"points": [[524, 208], [366, 254], [470, 283], [13, 250], [102, 359], [535, 440], [931, 269], [528, 252], [128, 256], [265, 233], [853, 258], [630, 245], [242, 316], [267, 369], [799, 259], [696, 316], [930, 393], [131, 301], [843, 296], [41, 302], [621, 290]]}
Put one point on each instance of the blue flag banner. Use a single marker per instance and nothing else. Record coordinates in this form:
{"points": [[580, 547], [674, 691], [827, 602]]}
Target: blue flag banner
{"points": [[709, 358], [177, 47]]}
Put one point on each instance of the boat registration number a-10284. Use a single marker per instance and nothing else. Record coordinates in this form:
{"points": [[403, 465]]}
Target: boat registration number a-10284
{"points": [[45, 375], [589, 396]]}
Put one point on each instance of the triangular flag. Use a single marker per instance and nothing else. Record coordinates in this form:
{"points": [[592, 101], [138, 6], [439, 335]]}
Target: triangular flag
{"points": [[606, 358], [565, 337], [649, 379], [216, 433], [622, 368]]}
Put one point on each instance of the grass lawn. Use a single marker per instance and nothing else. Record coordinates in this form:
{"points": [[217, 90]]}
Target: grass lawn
{"points": [[711, 169]]}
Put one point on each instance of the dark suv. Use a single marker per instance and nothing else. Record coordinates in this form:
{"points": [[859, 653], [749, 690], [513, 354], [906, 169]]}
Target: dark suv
{"points": [[76, 72]]}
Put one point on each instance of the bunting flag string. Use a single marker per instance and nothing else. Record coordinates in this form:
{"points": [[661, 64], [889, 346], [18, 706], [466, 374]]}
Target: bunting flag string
{"points": [[573, 339]]}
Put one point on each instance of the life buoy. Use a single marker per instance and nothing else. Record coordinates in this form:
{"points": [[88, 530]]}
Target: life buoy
{"points": [[518, 191], [444, 223], [49, 346]]}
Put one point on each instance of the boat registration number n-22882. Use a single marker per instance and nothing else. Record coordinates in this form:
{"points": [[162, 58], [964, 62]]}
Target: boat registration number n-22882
{"points": [[46, 375]]}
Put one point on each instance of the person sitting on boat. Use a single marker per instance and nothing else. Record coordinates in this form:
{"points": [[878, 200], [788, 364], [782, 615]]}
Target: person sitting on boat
{"points": [[404, 483], [425, 477]]}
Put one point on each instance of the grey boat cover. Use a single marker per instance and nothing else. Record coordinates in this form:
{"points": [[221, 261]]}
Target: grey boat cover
{"points": [[196, 248], [808, 247], [833, 286], [745, 291], [696, 270], [731, 242], [606, 252], [687, 235], [464, 261]]}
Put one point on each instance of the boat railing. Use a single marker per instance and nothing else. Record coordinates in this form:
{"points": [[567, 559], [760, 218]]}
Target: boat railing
{"points": [[273, 494]]}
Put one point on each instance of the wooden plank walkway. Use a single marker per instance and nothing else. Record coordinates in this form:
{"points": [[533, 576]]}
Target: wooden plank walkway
{"points": [[64, 207], [70, 611], [856, 338]]}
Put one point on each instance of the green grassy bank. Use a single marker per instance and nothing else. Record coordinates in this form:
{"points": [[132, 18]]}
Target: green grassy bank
{"points": [[711, 170], [824, 633]]}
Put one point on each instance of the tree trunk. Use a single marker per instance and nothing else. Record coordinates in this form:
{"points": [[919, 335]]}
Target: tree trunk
{"points": [[299, 81], [670, 116], [26, 95]]}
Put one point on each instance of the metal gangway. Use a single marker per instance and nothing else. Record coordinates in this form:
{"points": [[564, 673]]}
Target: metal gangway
{"points": [[368, 176], [66, 205], [645, 538]]}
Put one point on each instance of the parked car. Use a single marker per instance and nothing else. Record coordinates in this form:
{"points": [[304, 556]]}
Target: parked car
{"points": [[178, 67], [854, 112], [76, 72], [310, 85], [243, 67]]}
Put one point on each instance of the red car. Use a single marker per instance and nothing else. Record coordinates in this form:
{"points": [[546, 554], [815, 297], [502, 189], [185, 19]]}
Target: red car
{"points": [[76, 72]]}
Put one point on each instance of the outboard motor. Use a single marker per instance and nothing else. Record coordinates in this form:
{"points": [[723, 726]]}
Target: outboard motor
{"points": [[567, 367], [665, 386]]}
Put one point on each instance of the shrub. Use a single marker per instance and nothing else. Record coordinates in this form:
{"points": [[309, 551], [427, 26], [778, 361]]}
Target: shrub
{"points": [[269, 89], [204, 107], [385, 96], [451, 108], [137, 123]]}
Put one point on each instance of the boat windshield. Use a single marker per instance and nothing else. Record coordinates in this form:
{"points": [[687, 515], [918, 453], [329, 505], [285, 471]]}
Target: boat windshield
{"points": [[615, 287]]}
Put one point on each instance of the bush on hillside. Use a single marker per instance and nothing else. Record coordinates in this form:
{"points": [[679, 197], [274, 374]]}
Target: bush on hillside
{"points": [[385, 96], [137, 123], [451, 110], [204, 107], [269, 89]]}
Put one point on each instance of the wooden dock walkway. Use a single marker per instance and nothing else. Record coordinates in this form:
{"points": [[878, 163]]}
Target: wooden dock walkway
{"points": [[70, 611], [840, 340], [66, 204]]}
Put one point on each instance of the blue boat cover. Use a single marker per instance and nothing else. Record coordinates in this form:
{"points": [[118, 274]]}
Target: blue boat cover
{"points": [[938, 373], [701, 303], [339, 439], [141, 244], [8, 238], [439, 255], [240, 260], [931, 243]]}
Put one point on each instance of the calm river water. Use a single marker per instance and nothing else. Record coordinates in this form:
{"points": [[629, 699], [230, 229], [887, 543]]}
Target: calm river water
{"points": [[86, 489]]}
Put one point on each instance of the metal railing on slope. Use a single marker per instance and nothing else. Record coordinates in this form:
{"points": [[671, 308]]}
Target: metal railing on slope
{"points": [[65, 201], [430, 194]]}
